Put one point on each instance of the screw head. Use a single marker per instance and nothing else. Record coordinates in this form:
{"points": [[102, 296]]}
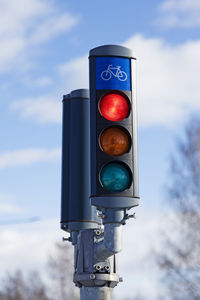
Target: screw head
{"points": [[92, 276], [100, 214], [97, 232]]}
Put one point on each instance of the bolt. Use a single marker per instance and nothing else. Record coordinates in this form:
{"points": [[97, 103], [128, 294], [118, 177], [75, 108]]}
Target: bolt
{"points": [[97, 267], [100, 214], [97, 232], [120, 279], [92, 276], [107, 268]]}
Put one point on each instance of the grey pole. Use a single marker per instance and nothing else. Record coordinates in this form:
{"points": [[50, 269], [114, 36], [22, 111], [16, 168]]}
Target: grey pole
{"points": [[96, 267], [96, 293]]}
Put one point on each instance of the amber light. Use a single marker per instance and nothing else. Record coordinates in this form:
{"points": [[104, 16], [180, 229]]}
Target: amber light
{"points": [[115, 141], [114, 107]]}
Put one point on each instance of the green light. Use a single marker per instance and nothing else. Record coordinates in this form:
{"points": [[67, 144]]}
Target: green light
{"points": [[115, 177]]}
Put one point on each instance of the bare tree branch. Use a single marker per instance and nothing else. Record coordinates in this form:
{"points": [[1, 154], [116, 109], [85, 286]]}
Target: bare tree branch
{"points": [[179, 259]]}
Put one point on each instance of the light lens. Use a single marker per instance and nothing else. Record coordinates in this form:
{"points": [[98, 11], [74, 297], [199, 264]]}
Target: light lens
{"points": [[115, 177], [114, 107], [115, 141]]}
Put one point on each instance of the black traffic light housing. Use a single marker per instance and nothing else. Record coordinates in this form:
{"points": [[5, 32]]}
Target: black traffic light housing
{"points": [[76, 210], [112, 72]]}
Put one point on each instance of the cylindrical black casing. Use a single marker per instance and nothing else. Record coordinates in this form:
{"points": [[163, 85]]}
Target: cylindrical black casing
{"points": [[76, 210], [110, 59]]}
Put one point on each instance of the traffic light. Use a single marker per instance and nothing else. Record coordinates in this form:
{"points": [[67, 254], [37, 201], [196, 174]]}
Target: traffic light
{"points": [[113, 131], [76, 210]]}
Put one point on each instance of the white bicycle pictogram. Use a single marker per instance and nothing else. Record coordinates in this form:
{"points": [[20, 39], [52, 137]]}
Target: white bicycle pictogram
{"points": [[115, 71]]}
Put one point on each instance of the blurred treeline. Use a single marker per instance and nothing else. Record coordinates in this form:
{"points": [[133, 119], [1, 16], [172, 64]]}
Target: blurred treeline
{"points": [[179, 258], [58, 284]]}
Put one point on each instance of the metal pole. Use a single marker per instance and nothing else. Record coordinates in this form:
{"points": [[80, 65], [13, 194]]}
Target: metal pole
{"points": [[96, 293], [96, 267]]}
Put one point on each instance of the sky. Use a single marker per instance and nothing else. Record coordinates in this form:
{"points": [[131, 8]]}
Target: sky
{"points": [[44, 46]]}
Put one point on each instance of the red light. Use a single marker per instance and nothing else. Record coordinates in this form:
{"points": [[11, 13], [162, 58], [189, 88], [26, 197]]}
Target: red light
{"points": [[114, 107]]}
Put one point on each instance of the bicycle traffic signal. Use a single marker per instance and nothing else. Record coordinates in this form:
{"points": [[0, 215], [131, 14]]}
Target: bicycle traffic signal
{"points": [[114, 180]]}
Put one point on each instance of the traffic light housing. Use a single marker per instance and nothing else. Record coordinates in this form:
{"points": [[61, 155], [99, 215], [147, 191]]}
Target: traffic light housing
{"points": [[76, 210], [113, 128]]}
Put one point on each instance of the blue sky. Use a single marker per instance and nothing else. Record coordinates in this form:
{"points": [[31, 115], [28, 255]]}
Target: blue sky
{"points": [[44, 54]]}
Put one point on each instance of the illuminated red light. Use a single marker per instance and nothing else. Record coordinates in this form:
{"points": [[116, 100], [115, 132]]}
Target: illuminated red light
{"points": [[114, 107]]}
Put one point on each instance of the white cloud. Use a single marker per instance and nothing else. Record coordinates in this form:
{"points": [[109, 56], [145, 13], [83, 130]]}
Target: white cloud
{"points": [[42, 81], [15, 253], [180, 13], [43, 109], [76, 73], [168, 87], [26, 157], [28, 23], [36, 81], [7, 208], [59, 23], [167, 80]]}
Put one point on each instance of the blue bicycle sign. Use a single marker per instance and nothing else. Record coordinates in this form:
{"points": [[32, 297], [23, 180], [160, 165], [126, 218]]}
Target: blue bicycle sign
{"points": [[114, 71]]}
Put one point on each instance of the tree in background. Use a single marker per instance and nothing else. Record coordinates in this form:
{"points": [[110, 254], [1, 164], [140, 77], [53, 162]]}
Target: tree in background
{"points": [[180, 256], [16, 287], [60, 266], [58, 280]]}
